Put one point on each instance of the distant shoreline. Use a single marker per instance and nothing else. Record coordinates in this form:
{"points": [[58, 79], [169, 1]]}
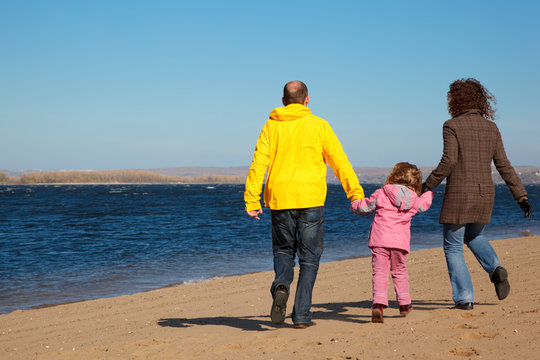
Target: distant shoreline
{"points": [[202, 175]]}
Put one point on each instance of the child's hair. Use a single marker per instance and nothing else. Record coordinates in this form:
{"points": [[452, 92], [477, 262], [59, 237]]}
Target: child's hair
{"points": [[406, 174]]}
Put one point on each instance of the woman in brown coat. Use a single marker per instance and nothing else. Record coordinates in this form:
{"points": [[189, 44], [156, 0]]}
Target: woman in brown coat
{"points": [[471, 142]]}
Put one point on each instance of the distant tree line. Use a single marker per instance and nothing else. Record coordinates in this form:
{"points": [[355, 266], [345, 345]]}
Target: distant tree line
{"points": [[4, 179], [114, 177], [528, 175]]}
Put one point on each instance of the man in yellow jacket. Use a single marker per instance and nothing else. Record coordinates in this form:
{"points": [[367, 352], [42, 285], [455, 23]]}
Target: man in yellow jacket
{"points": [[296, 146]]}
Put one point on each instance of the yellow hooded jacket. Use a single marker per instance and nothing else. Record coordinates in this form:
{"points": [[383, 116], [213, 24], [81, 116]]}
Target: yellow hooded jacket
{"points": [[295, 146]]}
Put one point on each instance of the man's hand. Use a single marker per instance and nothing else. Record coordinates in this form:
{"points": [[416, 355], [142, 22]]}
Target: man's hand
{"points": [[255, 213], [355, 205], [525, 205]]}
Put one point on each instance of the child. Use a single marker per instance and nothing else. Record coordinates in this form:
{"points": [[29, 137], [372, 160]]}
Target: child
{"points": [[394, 205]]}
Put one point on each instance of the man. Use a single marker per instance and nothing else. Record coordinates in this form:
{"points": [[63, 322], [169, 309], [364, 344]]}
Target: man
{"points": [[295, 147]]}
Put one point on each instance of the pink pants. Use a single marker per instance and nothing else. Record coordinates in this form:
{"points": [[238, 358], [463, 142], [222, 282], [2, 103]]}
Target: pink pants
{"points": [[396, 260]]}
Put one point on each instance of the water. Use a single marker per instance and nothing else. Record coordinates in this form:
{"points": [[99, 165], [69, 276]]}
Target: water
{"points": [[70, 243]]}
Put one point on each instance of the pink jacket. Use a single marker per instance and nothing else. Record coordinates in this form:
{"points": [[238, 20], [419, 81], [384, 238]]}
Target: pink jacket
{"points": [[394, 206]]}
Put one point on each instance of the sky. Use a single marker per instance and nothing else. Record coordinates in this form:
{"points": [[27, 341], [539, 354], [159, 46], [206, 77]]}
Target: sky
{"points": [[154, 84]]}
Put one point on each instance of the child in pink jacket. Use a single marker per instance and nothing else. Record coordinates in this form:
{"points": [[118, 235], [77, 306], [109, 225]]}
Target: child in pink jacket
{"points": [[389, 239]]}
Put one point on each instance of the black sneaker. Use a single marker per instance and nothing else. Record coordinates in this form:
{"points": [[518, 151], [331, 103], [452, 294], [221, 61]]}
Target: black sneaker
{"points": [[279, 306], [464, 306], [500, 279], [304, 325]]}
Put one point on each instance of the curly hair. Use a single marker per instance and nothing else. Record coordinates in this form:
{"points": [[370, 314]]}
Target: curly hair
{"points": [[406, 174], [467, 94]]}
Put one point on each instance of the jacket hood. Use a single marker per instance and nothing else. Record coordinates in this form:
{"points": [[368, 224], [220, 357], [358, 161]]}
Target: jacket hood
{"points": [[289, 112], [400, 196]]}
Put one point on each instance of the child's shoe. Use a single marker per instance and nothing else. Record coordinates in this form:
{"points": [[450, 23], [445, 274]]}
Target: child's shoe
{"points": [[377, 313], [405, 309]]}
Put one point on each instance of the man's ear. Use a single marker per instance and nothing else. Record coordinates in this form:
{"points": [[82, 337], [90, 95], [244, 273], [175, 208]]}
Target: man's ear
{"points": [[283, 101], [307, 100]]}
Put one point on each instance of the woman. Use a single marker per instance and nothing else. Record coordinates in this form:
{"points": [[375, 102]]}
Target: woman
{"points": [[471, 142]]}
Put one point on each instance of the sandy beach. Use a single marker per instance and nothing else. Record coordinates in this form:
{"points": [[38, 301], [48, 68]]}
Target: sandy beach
{"points": [[227, 318]]}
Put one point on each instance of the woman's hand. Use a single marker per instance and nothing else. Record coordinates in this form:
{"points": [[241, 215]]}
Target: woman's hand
{"points": [[526, 206]]}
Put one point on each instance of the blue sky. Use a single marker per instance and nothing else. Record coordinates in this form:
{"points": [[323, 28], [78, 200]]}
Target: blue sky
{"points": [[151, 84]]}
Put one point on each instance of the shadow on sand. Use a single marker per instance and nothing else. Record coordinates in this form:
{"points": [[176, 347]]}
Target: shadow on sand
{"points": [[328, 311]]}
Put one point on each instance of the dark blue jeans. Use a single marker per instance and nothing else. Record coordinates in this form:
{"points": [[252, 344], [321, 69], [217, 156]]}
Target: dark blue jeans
{"points": [[297, 231]]}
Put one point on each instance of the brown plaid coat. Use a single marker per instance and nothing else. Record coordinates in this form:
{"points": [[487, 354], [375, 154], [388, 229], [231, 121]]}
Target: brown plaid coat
{"points": [[471, 143]]}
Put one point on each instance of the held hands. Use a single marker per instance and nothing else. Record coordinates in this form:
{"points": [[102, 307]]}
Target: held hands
{"points": [[355, 205], [255, 213], [525, 205]]}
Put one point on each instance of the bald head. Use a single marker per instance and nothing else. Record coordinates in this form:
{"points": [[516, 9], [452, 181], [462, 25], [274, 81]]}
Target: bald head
{"points": [[295, 92]]}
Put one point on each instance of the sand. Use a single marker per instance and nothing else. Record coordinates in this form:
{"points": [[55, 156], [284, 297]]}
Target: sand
{"points": [[227, 318]]}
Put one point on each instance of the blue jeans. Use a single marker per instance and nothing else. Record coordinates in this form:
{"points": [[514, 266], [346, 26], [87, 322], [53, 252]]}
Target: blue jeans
{"points": [[471, 235], [297, 231]]}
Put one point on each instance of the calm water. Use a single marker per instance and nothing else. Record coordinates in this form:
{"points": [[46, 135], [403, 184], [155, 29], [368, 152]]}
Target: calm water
{"points": [[69, 243]]}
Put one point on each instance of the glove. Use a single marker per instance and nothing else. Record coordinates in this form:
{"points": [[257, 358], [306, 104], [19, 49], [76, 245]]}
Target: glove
{"points": [[525, 205], [425, 188]]}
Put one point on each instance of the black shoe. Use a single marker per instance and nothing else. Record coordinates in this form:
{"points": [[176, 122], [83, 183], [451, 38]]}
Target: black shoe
{"points": [[304, 325], [500, 279], [279, 306], [464, 306]]}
